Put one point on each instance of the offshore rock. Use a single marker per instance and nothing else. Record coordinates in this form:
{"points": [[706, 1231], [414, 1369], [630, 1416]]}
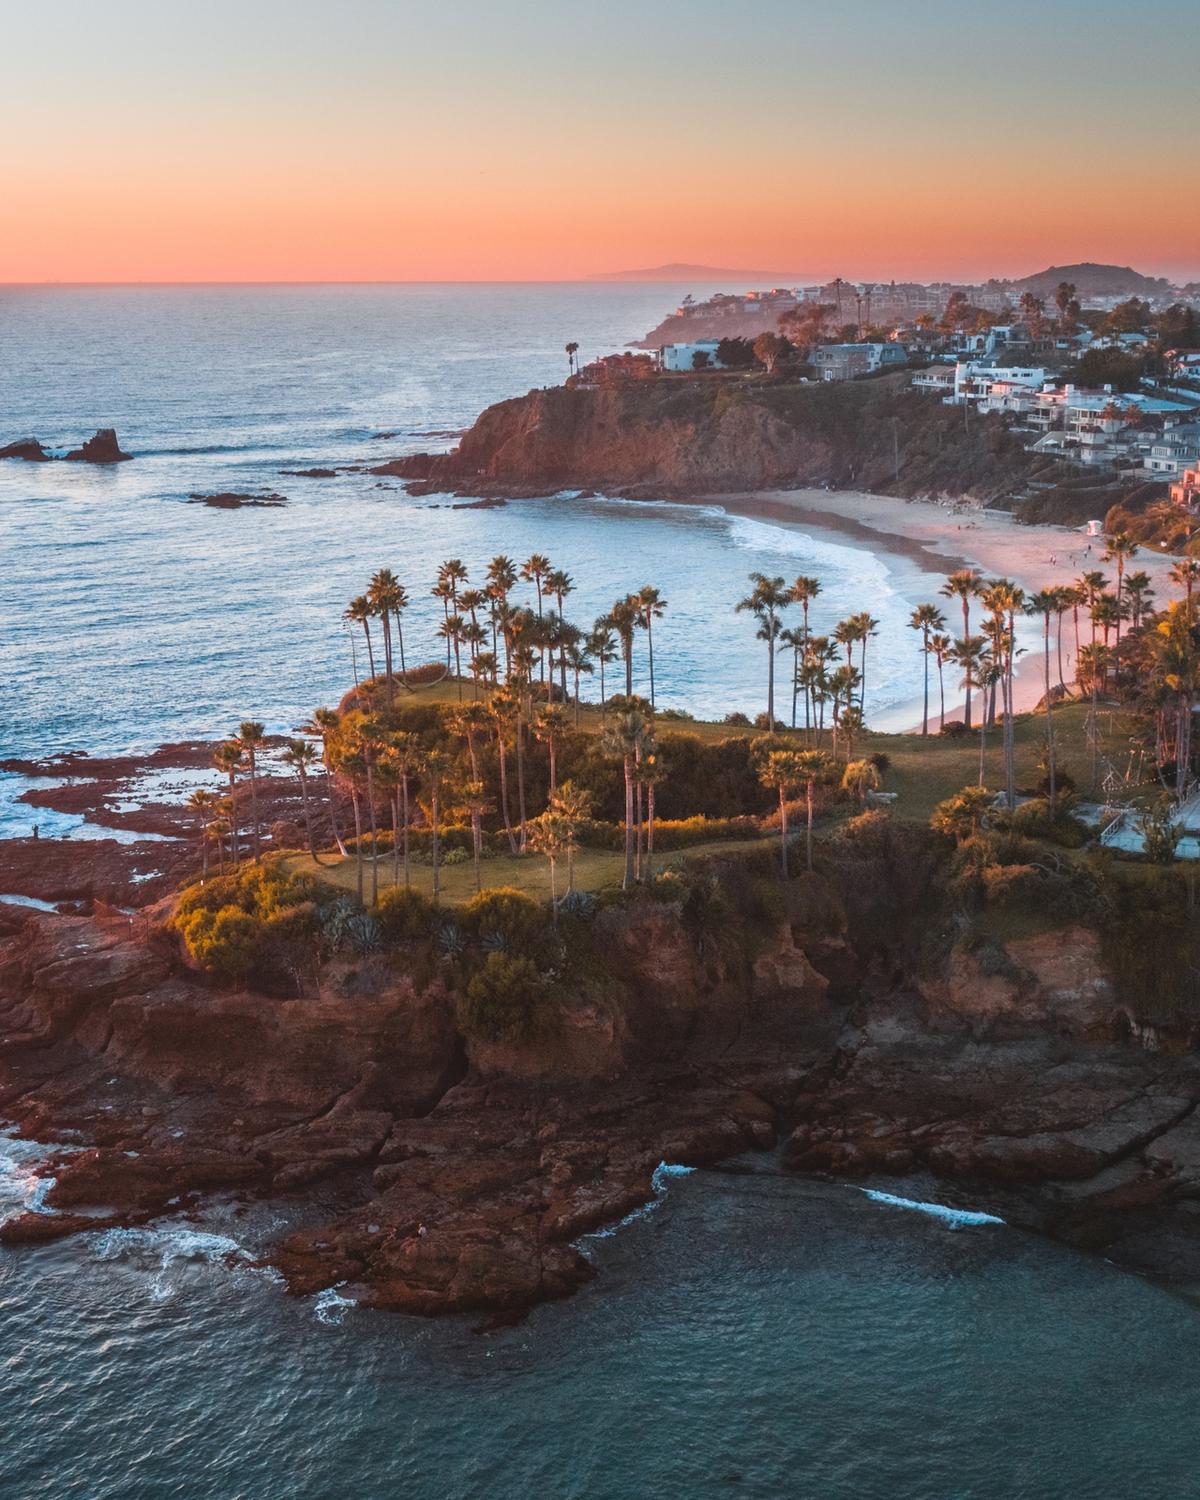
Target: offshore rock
{"points": [[27, 448], [103, 448]]}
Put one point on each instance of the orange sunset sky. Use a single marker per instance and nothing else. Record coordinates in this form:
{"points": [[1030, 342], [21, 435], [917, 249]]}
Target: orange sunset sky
{"points": [[365, 140]]}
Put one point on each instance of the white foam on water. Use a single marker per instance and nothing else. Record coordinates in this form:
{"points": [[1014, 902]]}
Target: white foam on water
{"points": [[161, 1251], [955, 1217], [330, 1307], [658, 1185], [23, 1188]]}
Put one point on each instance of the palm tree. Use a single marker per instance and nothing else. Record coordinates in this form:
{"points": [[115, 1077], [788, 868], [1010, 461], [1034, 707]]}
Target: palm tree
{"points": [[325, 724], [549, 726], [652, 605], [204, 804], [865, 628], [966, 584], [850, 725], [358, 612], [625, 739], [926, 618], [1139, 594], [533, 570], [1045, 603], [437, 767], [505, 711], [602, 648], [795, 640], [475, 802], [1091, 672], [401, 755], [573, 805], [382, 594], [784, 770], [968, 654], [572, 349], [579, 662], [302, 756], [250, 739], [364, 737], [623, 618], [803, 591], [650, 773], [548, 835], [1121, 549], [764, 602], [1091, 588], [560, 584], [470, 722], [941, 646], [1185, 574], [812, 766]]}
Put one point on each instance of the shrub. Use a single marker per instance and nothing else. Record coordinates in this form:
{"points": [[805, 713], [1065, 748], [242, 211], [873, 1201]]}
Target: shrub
{"points": [[1041, 820], [225, 942], [740, 720], [505, 1001], [405, 916], [516, 917], [953, 729], [258, 923]]}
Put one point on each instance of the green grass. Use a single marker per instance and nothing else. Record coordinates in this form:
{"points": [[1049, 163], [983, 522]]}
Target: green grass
{"points": [[595, 869]]}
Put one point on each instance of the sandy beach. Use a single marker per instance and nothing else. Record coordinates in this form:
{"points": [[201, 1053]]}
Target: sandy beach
{"points": [[922, 537]]}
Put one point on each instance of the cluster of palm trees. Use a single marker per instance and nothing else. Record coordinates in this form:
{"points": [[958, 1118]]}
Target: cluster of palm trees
{"points": [[820, 675], [502, 639]]}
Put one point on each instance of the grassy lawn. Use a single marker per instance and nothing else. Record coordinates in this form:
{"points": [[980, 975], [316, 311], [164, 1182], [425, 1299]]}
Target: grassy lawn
{"points": [[594, 869], [922, 771]]}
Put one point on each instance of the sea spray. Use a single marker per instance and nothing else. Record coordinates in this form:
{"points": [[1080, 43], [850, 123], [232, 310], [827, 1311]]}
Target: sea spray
{"points": [[658, 1186], [956, 1218]]}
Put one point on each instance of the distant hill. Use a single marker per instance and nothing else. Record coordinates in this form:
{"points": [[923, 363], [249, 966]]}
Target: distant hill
{"points": [[1092, 280], [680, 271]]}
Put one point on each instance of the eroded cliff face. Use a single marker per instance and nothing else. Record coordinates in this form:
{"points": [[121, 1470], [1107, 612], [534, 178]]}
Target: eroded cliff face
{"points": [[465, 1173], [704, 436]]}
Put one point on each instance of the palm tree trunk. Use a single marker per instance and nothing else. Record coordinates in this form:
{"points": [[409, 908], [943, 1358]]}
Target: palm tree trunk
{"points": [[925, 711], [941, 694], [374, 836], [503, 759], [254, 833], [628, 881], [966, 608], [649, 832], [233, 826], [357, 841], [400, 644], [395, 804], [808, 798], [771, 685], [370, 652], [333, 819], [783, 830], [435, 842], [521, 790], [308, 833], [650, 651], [1049, 717]]}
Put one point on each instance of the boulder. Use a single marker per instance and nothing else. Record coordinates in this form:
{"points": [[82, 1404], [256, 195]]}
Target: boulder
{"points": [[103, 448]]}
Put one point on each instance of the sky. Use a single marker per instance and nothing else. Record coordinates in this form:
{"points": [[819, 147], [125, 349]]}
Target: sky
{"points": [[363, 140]]}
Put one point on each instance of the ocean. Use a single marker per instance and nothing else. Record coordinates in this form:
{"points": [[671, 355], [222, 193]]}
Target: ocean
{"points": [[750, 1334]]}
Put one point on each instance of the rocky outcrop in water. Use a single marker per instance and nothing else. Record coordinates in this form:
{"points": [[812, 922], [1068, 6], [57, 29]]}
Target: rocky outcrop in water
{"points": [[102, 448], [28, 449], [236, 500]]}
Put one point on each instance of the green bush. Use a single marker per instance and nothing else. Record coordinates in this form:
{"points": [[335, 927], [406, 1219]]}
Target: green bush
{"points": [[1040, 819], [259, 923], [405, 916], [505, 1001], [506, 913]]}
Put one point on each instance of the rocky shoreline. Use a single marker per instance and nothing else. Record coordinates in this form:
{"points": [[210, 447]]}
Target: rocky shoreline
{"points": [[465, 1172]]}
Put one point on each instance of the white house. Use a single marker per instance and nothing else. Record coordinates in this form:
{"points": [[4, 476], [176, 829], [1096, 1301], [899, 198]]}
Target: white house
{"points": [[683, 356]]}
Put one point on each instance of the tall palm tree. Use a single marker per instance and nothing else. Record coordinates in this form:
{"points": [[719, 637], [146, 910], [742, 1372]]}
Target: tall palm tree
{"points": [[941, 646], [927, 618], [560, 584], [602, 648], [1121, 549], [572, 350], [765, 601], [579, 661], [381, 596], [1045, 603], [505, 710], [968, 655], [204, 804], [803, 591], [784, 771], [866, 627], [402, 756], [1139, 594], [534, 570], [1091, 587], [250, 738], [324, 724], [573, 805], [965, 585], [437, 767], [652, 605], [302, 756], [625, 739], [549, 726], [1185, 574], [358, 612], [623, 618], [794, 640], [812, 766]]}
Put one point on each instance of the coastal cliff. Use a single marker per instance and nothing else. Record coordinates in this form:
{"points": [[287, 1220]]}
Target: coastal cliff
{"points": [[848, 1015], [712, 435]]}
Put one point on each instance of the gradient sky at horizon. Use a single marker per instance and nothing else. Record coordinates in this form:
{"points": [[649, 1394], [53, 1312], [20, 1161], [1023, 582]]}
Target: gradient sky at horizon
{"points": [[489, 139]]}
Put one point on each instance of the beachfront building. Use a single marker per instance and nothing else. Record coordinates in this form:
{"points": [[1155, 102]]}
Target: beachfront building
{"points": [[997, 387], [1105, 428], [845, 361], [938, 380]]}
